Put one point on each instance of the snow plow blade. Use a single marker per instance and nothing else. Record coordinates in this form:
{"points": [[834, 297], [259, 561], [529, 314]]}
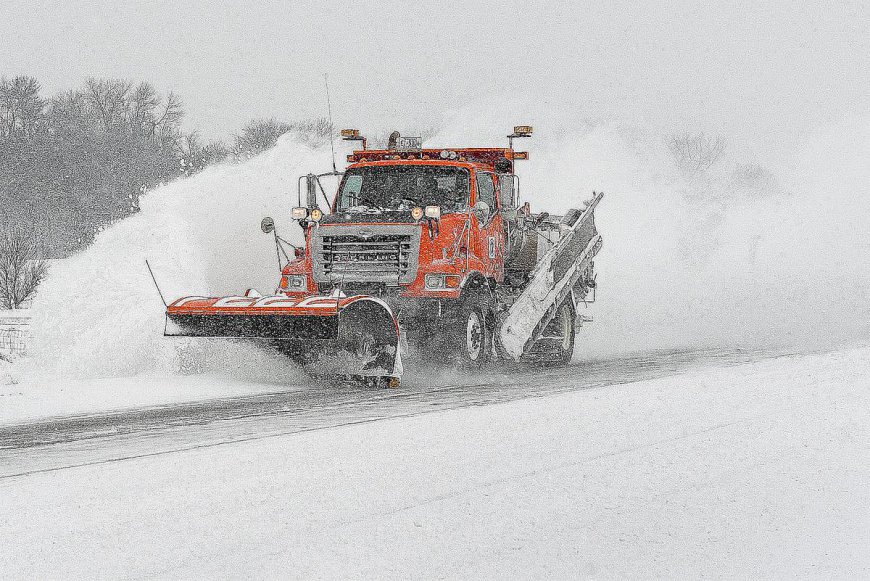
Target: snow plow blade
{"points": [[328, 335]]}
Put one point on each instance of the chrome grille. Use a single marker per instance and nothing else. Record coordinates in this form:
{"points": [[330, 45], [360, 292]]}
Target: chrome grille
{"points": [[382, 257]]}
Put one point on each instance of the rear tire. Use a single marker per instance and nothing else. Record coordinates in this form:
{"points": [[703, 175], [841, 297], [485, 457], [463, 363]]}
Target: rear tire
{"points": [[556, 345]]}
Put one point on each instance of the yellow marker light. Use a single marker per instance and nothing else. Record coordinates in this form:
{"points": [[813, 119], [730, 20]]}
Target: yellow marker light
{"points": [[521, 155], [299, 213], [316, 214], [417, 213], [351, 158], [524, 130], [350, 133]]}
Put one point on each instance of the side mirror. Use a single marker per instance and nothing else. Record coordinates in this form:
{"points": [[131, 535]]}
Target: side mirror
{"points": [[506, 181], [311, 191], [267, 225], [482, 210]]}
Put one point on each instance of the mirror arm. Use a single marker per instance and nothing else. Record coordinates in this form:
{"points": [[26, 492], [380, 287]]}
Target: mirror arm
{"points": [[325, 198]]}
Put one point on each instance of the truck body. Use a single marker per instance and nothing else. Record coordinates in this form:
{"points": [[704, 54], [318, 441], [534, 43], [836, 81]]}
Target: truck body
{"points": [[431, 245]]}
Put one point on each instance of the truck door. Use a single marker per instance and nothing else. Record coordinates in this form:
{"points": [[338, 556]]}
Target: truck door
{"points": [[489, 229]]}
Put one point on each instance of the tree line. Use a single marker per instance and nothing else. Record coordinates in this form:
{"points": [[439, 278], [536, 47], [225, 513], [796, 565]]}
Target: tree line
{"points": [[75, 162]]}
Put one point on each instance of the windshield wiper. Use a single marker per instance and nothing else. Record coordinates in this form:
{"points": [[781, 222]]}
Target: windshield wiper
{"points": [[366, 203]]}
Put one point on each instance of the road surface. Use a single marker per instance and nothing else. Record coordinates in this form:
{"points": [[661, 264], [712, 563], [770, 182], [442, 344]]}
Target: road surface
{"points": [[63, 442]]}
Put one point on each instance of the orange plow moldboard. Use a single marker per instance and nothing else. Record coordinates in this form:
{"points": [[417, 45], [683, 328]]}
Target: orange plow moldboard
{"points": [[356, 335]]}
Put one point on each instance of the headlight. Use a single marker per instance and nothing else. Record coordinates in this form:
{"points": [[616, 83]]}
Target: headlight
{"points": [[417, 213], [299, 213], [316, 214], [433, 212], [294, 282], [442, 281]]}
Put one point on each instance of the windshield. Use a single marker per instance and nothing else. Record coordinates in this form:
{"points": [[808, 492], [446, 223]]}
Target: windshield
{"points": [[401, 187]]}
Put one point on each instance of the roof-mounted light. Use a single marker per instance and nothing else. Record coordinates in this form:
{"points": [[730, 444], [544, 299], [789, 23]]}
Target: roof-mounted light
{"points": [[519, 131], [353, 135]]}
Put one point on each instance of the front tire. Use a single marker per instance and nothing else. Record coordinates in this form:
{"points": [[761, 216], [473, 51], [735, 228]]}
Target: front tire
{"points": [[472, 336]]}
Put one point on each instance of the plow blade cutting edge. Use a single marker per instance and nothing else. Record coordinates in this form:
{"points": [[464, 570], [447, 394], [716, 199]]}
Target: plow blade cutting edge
{"points": [[328, 335]]}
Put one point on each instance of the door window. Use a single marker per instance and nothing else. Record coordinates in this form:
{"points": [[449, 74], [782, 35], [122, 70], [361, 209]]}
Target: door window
{"points": [[486, 189]]}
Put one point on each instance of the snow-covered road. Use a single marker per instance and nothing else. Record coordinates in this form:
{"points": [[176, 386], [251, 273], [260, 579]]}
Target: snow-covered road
{"points": [[118, 428], [746, 469]]}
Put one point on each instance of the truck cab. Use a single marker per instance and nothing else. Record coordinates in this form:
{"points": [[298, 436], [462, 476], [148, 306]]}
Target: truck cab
{"points": [[414, 225]]}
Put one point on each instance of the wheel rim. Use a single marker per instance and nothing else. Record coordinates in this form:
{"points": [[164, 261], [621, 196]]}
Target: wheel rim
{"points": [[473, 336]]}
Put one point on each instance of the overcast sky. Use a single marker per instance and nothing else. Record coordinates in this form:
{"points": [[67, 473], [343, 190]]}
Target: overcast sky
{"points": [[739, 66]]}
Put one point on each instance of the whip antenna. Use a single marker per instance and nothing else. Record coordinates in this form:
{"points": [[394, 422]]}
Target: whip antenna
{"points": [[331, 130], [155, 282]]}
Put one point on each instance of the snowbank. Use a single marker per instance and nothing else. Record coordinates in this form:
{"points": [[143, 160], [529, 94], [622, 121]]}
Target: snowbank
{"points": [[756, 471], [99, 315]]}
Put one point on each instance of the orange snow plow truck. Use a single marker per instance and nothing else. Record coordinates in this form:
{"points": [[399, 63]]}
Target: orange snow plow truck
{"points": [[428, 251]]}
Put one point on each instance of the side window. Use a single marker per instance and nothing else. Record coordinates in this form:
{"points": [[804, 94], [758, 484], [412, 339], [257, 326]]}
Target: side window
{"points": [[486, 189], [506, 186], [350, 191]]}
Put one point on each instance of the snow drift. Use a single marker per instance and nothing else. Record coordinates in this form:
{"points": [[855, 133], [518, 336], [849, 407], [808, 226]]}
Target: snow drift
{"points": [[99, 314], [727, 257]]}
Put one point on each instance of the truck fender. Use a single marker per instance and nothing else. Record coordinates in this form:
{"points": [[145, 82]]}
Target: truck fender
{"points": [[473, 280]]}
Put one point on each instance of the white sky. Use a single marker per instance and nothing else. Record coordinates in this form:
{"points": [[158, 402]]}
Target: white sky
{"points": [[751, 68]]}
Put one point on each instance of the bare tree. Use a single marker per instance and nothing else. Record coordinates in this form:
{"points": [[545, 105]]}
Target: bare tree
{"points": [[753, 176], [110, 100], [21, 107], [195, 156], [259, 135], [694, 154], [166, 126], [144, 102], [21, 267], [315, 132]]}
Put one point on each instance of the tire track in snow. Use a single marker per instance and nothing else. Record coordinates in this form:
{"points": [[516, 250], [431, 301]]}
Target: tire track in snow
{"points": [[76, 441]]}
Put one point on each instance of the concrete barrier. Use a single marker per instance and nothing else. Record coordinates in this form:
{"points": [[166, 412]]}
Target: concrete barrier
{"points": [[14, 331]]}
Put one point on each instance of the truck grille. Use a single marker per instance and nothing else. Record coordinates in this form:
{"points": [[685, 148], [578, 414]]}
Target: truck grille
{"points": [[389, 258]]}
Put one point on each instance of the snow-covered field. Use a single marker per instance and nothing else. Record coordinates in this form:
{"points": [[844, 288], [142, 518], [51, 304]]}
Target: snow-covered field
{"points": [[760, 470]]}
